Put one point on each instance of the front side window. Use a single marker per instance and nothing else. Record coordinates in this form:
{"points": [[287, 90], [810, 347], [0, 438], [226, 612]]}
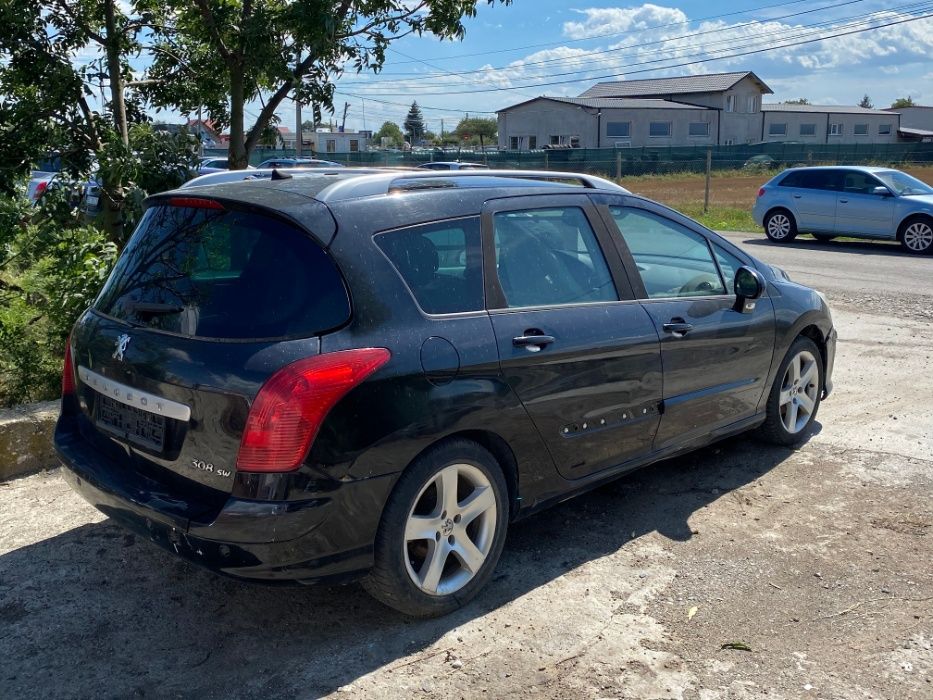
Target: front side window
{"points": [[549, 257], [728, 265], [859, 183], [672, 260], [808, 129], [777, 129], [442, 264], [699, 129], [621, 130], [659, 129]]}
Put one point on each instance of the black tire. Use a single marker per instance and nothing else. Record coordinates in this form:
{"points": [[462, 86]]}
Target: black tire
{"points": [[823, 237], [780, 226], [916, 235], [773, 430], [389, 580]]}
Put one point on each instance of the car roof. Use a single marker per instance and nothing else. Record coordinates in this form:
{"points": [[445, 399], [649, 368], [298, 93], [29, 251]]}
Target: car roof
{"points": [[861, 168], [338, 184]]}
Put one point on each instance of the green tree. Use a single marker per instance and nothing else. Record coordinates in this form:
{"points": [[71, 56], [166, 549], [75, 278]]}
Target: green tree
{"points": [[391, 131], [224, 53], [866, 102], [414, 124], [798, 101], [903, 102], [477, 130]]}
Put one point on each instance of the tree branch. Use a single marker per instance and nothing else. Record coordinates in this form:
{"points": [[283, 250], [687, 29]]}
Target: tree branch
{"points": [[211, 23]]}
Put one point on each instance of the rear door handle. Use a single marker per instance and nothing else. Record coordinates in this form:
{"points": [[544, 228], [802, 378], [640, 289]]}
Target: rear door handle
{"points": [[843, 201], [677, 327], [533, 342], [797, 196]]}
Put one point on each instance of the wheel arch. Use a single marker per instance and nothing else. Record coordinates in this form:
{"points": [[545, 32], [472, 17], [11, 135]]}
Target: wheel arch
{"points": [[902, 226], [779, 207], [814, 333]]}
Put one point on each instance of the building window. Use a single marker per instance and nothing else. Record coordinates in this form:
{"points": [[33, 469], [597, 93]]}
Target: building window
{"points": [[808, 129], [659, 129], [860, 130], [513, 143], [532, 143], [728, 142], [835, 129], [698, 129], [354, 145], [331, 145], [777, 129], [884, 129], [752, 104], [555, 140], [730, 103], [619, 129]]}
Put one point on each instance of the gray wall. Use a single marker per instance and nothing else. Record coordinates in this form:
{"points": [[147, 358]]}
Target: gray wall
{"points": [[544, 118], [916, 117], [793, 120]]}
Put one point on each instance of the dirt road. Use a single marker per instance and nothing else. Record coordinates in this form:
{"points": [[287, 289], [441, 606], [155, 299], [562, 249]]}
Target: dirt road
{"points": [[815, 563]]}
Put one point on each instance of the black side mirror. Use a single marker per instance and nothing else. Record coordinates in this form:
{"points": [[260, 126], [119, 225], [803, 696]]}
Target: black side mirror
{"points": [[749, 285]]}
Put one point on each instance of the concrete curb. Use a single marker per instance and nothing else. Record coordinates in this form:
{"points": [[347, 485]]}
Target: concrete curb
{"points": [[26, 439]]}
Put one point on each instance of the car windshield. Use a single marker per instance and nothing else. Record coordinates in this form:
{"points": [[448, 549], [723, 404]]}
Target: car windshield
{"points": [[903, 184]]}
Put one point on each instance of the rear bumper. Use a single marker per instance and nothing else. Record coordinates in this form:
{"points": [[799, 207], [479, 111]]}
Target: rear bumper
{"points": [[326, 537]]}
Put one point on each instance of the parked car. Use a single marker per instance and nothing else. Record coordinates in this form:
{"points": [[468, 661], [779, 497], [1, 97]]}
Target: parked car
{"points": [[223, 176], [859, 202], [344, 375], [452, 165], [214, 164], [760, 162], [298, 163]]}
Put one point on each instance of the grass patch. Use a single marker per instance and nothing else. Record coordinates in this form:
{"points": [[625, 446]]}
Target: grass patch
{"points": [[720, 218]]}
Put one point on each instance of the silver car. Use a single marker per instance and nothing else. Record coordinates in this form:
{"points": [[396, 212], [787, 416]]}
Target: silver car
{"points": [[855, 201]]}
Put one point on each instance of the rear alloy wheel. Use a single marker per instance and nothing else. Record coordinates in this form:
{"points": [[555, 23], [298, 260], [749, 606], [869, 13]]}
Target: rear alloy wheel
{"points": [[442, 531], [917, 235], [795, 395], [780, 226]]}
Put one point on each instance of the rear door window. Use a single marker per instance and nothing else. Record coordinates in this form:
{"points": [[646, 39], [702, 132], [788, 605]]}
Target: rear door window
{"points": [[441, 262], [214, 273]]}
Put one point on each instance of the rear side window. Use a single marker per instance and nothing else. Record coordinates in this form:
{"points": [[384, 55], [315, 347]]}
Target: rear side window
{"points": [[442, 264], [548, 257], [213, 273], [813, 179]]}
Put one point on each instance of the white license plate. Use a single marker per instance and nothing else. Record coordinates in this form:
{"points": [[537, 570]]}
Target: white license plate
{"points": [[92, 200]]}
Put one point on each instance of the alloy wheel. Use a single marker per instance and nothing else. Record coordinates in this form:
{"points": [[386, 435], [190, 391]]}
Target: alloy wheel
{"points": [[450, 529], [779, 226], [918, 237], [799, 391]]}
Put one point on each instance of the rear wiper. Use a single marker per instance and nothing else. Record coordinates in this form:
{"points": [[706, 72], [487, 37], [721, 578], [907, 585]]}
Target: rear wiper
{"points": [[154, 308]]}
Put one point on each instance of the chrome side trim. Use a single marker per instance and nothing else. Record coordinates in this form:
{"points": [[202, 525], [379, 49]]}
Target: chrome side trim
{"points": [[134, 397]]}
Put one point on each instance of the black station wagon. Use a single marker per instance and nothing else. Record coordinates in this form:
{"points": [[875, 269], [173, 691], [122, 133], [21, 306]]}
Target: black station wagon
{"points": [[369, 374]]}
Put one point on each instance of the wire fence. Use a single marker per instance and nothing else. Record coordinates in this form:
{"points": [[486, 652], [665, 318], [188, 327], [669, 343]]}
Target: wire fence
{"points": [[622, 162]]}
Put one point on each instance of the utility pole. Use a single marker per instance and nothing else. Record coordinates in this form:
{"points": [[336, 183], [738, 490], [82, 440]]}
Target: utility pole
{"points": [[297, 127], [364, 113], [343, 122], [442, 128]]}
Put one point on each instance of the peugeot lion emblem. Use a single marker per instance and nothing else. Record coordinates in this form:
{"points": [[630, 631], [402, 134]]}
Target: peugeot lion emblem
{"points": [[122, 342]]}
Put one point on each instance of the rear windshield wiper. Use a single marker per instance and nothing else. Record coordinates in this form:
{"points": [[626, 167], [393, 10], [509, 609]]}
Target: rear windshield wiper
{"points": [[154, 308]]}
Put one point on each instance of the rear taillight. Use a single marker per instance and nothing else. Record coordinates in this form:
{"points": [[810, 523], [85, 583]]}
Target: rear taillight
{"points": [[761, 191], [68, 373], [194, 203], [291, 406]]}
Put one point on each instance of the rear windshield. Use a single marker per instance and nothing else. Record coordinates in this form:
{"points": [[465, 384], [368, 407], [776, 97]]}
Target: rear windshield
{"points": [[224, 274]]}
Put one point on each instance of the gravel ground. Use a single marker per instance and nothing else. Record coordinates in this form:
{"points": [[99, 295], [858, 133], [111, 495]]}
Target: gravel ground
{"points": [[813, 564]]}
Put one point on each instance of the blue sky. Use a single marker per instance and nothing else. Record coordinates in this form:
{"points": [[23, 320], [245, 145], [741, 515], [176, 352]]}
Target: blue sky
{"points": [[521, 47]]}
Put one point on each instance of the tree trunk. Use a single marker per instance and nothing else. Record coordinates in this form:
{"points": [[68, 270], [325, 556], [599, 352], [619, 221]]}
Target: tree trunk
{"points": [[238, 155], [112, 187]]}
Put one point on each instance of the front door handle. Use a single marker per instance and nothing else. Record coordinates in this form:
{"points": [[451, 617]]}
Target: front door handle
{"points": [[532, 341], [843, 201], [796, 196], [677, 327]]}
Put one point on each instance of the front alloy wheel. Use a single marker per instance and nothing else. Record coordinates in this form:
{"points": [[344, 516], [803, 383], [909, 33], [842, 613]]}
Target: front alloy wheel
{"points": [[918, 236], [442, 531], [795, 394]]}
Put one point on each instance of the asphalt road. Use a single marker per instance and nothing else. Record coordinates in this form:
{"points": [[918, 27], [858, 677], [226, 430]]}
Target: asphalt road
{"points": [[814, 563]]}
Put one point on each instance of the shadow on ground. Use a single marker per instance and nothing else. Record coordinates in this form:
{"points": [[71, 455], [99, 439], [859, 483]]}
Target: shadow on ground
{"points": [[855, 247], [98, 612]]}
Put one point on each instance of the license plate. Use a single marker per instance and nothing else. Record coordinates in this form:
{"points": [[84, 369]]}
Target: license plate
{"points": [[92, 200], [132, 424]]}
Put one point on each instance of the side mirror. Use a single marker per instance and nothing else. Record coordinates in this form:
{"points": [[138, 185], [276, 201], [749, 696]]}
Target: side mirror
{"points": [[881, 191], [749, 285]]}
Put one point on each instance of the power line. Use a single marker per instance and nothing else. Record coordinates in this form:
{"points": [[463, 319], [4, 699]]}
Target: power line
{"points": [[580, 74]]}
